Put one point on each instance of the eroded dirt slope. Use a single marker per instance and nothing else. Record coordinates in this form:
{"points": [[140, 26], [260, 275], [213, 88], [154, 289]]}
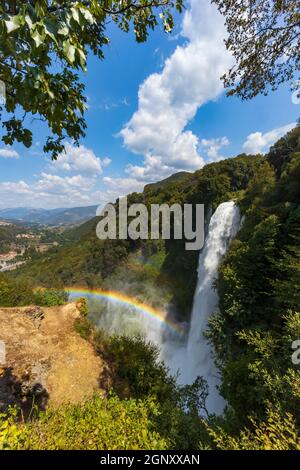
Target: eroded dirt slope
{"points": [[46, 358]]}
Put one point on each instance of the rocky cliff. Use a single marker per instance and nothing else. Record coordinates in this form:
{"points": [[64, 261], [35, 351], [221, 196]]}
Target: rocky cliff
{"points": [[47, 362]]}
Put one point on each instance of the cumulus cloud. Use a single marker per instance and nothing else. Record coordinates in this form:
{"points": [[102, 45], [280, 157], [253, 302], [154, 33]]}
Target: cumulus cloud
{"points": [[257, 142], [106, 161], [49, 191], [71, 180], [169, 100], [123, 186], [7, 152], [79, 159], [55, 183], [212, 148]]}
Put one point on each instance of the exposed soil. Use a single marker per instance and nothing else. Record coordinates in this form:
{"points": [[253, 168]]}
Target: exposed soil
{"points": [[46, 359]]}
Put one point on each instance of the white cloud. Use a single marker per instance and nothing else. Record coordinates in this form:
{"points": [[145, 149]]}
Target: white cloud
{"points": [[257, 142], [54, 188], [56, 183], [9, 153], [49, 191], [212, 148], [19, 187], [122, 186], [169, 100], [106, 161], [79, 159]]}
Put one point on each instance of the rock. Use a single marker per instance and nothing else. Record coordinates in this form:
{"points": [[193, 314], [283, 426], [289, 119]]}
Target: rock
{"points": [[35, 313], [48, 363]]}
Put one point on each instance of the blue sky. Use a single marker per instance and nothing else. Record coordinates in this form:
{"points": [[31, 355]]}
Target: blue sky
{"points": [[154, 109]]}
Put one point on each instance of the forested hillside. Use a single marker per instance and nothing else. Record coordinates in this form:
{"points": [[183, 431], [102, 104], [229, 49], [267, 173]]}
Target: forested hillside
{"points": [[8, 234], [90, 261], [259, 288]]}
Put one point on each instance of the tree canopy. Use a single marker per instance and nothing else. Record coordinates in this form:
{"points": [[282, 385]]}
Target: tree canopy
{"points": [[43, 46], [264, 37]]}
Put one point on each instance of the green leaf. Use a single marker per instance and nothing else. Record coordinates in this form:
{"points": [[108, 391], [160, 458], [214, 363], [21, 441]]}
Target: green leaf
{"points": [[82, 58], [51, 29], [37, 37], [29, 21], [87, 15], [75, 15], [13, 24], [63, 30], [69, 51]]}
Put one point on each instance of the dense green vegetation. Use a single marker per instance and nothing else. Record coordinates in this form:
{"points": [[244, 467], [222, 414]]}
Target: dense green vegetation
{"points": [[96, 424], [13, 237], [259, 288], [8, 236], [21, 292]]}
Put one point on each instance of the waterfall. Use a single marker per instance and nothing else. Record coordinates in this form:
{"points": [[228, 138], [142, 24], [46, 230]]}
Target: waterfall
{"points": [[191, 356], [223, 226]]}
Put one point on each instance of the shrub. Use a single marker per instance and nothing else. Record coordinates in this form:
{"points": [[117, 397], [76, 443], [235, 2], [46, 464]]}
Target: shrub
{"points": [[137, 363], [20, 292], [83, 327], [14, 293], [277, 432], [49, 298], [97, 424]]}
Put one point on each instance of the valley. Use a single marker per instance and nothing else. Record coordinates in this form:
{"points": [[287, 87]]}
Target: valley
{"points": [[22, 242]]}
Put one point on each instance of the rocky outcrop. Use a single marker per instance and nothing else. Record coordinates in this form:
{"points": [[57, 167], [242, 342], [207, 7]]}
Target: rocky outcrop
{"points": [[47, 362]]}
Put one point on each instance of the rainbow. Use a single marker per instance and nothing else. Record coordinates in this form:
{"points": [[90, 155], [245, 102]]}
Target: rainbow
{"points": [[144, 309]]}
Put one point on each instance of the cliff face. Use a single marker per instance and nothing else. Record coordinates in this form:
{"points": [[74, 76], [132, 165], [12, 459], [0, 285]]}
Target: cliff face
{"points": [[47, 362]]}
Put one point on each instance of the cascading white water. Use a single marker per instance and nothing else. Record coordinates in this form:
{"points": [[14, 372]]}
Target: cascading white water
{"points": [[192, 357], [223, 226]]}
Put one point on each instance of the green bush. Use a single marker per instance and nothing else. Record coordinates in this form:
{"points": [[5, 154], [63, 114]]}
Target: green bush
{"points": [[277, 432], [21, 292], [137, 364], [259, 291], [138, 373], [15, 293], [49, 298], [83, 327], [97, 424]]}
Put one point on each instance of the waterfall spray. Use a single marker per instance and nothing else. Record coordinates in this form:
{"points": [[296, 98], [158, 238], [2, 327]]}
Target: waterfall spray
{"points": [[223, 226], [192, 356], [195, 357]]}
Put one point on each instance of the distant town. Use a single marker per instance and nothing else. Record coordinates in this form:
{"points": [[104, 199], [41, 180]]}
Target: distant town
{"points": [[20, 243]]}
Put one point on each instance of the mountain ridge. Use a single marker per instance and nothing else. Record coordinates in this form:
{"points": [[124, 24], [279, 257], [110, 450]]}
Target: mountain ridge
{"points": [[59, 216]]}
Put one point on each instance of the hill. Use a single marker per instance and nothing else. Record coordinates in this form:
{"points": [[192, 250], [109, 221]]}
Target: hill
{"points": [[176, 178], [86, 260], [61, 216]]}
